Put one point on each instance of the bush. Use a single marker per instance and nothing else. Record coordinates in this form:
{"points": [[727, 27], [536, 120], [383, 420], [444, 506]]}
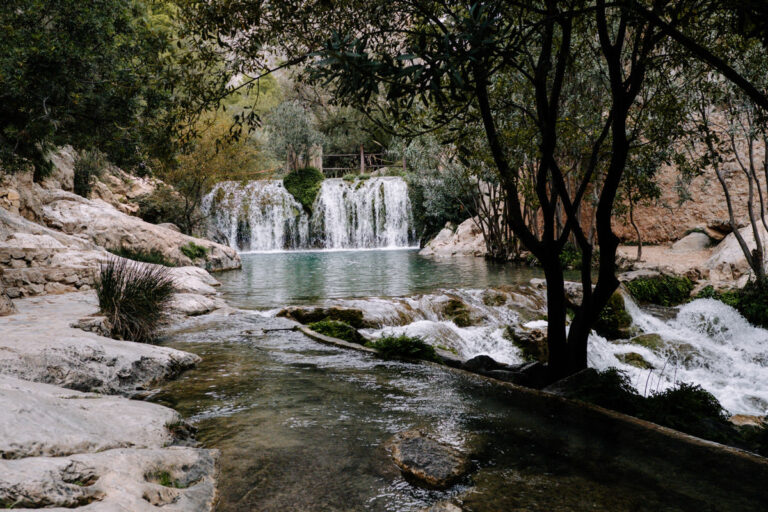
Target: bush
{"points": [[134, 297], [163, 205], [89, 165], [194, 251], [404, 347], [304, 184], [662, 290], [153, 256], [337, 329]]}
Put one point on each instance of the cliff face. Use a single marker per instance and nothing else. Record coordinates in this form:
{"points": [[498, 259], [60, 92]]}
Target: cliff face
{"points": [[668, 219]]}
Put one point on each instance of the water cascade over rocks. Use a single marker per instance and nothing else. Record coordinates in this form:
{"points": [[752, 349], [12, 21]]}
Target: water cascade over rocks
{"points": [[263, 216]]}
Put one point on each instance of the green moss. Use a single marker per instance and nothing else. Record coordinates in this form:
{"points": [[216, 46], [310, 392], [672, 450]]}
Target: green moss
{"points": [[194, 251], [304, 184], [458, 313], [650, 341], [634, 359], [494, 298], [351, 316], [337, 329], [165, 479], [404, 347], [356, 177], [614, 322], [663, 290], [153, 256]]}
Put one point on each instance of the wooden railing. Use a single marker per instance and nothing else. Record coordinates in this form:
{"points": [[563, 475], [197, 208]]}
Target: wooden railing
{"points": [[339, 164]]}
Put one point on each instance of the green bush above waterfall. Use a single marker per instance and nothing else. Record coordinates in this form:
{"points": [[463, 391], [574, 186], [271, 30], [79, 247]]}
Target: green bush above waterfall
{"points": [[336, 329], [751, 301], [304, 184]]}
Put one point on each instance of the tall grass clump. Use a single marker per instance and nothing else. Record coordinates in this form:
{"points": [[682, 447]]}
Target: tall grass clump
{"points": [[134, 297], [88, 166]]}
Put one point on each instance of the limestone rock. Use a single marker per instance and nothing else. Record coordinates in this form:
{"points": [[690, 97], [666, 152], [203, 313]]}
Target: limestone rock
{"points": [[193, 304], [692, 242], [108, 227], [113, 480], [38, 344], [45, 420], [429, 462], [6, 304], [728, 262], [443, 506], [467, 240]]}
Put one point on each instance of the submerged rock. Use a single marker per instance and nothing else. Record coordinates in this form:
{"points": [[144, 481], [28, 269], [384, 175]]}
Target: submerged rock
{"points": [[634, 359], [429, 462], [531, 342]]}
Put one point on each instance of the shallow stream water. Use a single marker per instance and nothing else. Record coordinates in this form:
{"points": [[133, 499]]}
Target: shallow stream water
{"points": [[303, 426]]}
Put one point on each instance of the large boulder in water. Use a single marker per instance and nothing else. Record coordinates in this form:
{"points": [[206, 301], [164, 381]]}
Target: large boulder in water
{"points": [[427, 461], [467, 240]]}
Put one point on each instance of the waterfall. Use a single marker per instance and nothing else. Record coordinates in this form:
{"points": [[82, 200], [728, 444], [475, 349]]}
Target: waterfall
{"points": [[263, 216], [257, 216], [363, 214]]}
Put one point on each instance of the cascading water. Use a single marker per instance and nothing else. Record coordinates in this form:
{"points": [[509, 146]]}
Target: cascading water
{"points": [[263, 216], [258, 216], [363, 214]]}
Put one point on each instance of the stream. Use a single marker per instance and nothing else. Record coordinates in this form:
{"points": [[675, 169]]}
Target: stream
{"points": [[302, 426]]}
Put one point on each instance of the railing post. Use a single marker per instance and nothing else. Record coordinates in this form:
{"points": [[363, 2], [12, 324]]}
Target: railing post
{"points": [[404, 166], [362, 159]]}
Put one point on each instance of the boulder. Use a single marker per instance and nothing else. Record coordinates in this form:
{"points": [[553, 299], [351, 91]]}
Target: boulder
{"points": [[427, 461], [443, 506], [466, 240], [38, 344], [695, 241], [728, 262]]}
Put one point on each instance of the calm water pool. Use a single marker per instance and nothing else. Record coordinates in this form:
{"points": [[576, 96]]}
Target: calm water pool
{"points": [[270, 280]]}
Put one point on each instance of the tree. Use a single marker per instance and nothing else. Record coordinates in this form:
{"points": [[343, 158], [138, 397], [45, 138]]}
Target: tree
{"points": [[292, 133], [567, 95]]}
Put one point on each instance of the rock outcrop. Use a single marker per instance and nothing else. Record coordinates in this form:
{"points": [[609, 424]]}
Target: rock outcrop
{"points": [[467, 240], [728, 262], [38, 344], [62, 448]]}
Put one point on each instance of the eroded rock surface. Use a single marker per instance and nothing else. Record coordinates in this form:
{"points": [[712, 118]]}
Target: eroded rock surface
{"points": [[466, 240], [428, 461], [38, 344]]}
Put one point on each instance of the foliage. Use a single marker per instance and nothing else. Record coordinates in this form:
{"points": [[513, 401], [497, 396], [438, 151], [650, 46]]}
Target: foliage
{"points": [[165, 479], [134, 297], [457, 312], [751, 301], [152, 256], [291, 131], [664, 290], [336, 329], [304, 184], [89, 165], [101, 74], [404, 347], [614, 321], [193, 251], [162, 205]]}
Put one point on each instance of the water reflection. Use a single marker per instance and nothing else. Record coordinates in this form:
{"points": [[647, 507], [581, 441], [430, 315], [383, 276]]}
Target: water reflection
{"points": [[271, 280]]}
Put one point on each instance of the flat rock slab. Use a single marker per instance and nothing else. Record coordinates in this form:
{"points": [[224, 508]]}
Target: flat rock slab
{"points": [[428, 461], [38, 344], [44, 420], [175, 479]]}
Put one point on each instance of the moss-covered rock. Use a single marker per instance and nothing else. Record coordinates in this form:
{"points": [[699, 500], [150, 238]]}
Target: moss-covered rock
{"points": [[494, 298], [614, 322], [351, 316], [404, 347], [304, 184], [664, 290], [651, 341], [336, 329], [457, 312], [634, 359], [532, 343]]}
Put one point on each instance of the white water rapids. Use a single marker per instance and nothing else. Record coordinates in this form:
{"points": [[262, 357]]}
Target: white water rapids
{"points": [[263, 216], [707, 343]]}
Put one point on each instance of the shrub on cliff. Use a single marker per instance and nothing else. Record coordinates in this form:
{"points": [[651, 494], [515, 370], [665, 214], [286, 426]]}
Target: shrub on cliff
{"points": [[134, 297], [304, 184], [88, 166], [404, 347]]}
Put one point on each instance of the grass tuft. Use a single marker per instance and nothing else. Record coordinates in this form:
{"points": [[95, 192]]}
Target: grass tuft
{"points": [[194, 251], [134, 297]]}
